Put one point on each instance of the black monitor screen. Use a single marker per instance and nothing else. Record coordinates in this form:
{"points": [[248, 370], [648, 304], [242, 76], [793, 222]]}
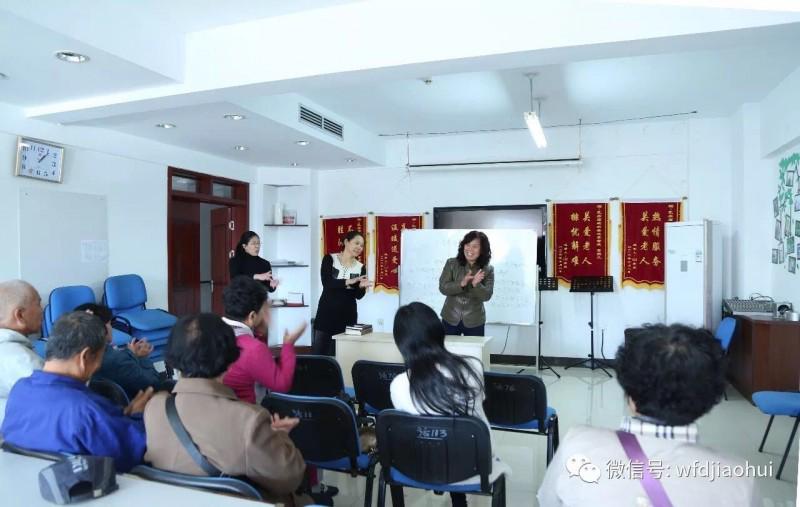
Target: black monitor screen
{"points": [[527, 216]]}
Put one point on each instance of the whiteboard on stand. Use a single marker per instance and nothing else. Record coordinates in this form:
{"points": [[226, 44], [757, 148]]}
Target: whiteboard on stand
{"points": [[425, 251]]}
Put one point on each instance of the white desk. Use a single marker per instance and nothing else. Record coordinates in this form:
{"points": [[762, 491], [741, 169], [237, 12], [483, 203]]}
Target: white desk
{"points": [[381, 347], [19, 487]]}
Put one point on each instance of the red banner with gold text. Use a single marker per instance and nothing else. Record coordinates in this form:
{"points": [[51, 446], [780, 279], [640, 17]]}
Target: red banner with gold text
{"points": [[580, 244], [388, 232], [334, 229], [643, 241]]}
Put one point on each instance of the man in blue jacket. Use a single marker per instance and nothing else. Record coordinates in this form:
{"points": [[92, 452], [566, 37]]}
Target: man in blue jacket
{"points": [[130, 367], [54, 411]]}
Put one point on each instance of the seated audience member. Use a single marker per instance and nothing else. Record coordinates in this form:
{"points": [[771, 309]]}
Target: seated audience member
{"points": [[246, 309], [671, 376], [54, 411], [20, 316], [128, 367], [437, 382], [238, 438]]}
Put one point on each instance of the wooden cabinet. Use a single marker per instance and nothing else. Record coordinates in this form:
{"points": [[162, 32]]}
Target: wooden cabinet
{"points": [[764, 355]]}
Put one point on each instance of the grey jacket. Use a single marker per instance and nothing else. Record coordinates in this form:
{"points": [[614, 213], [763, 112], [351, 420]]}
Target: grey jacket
{"points": [[464, 303], [17, 360]]}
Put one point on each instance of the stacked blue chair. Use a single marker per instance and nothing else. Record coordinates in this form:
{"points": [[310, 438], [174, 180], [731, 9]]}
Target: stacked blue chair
{"points": [[316, 375], [126, 296], [372, 381], [64, 300], [779, 403], [238, 486], [435, 453]]}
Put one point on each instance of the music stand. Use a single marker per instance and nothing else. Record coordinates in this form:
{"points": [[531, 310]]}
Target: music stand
{"points": [[545, 283], [592, 284]]}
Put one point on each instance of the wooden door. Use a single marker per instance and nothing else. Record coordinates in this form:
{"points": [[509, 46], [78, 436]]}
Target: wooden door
{"points": [[184, 224], [223, 244]]}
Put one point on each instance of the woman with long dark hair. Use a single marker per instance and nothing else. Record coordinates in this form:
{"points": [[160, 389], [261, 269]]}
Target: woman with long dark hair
{"points": [[468, 281], [344, 280], [245, 261], [437, 382]]}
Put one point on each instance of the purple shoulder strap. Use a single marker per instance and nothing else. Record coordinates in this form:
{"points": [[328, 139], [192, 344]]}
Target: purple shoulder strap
{"points": [[652, 486]]}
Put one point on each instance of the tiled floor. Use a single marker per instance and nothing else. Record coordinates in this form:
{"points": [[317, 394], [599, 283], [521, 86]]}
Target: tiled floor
{"points": [[585, 397]]}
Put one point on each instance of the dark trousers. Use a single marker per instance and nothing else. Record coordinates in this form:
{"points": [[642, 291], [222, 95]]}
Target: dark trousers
{"points": [[462, 329], [460, 499], [323, 344]]}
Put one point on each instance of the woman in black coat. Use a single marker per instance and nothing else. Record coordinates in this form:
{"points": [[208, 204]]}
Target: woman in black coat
{"points": [[344, 280], [246, 261]]}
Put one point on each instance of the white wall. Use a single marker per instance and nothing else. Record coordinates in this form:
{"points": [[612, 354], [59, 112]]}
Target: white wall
{"points": [[132, 174], [657, 160]]}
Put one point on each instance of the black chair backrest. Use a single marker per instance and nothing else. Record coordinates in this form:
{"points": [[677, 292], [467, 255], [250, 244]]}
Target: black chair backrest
{"points": [[52, 456], [110, 390], [371, 381], [229, 485], [317, 376], [327, 429], [514, 399], [435, 449]]}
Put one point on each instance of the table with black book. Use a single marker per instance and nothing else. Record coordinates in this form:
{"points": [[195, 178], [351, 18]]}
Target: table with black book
{"points": [[381, 347]]}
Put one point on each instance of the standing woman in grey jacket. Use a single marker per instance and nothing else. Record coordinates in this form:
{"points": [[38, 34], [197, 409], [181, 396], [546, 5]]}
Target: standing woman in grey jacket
{"points": [[468, 281]]}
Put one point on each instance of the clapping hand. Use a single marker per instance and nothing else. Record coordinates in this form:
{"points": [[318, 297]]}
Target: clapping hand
{"points": [[478, 278], [290, 338], [137, 404], [140, 347], [273, 283], [364, 283], [264, 277], [467, 279], [284, 423]]}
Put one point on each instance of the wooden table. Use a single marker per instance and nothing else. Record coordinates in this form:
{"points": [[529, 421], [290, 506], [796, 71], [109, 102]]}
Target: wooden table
{"points": [[764, 355], [381, 347]]}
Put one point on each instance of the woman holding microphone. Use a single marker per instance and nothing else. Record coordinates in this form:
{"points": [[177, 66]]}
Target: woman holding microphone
{"points": [[344, 280], [468, 281]]}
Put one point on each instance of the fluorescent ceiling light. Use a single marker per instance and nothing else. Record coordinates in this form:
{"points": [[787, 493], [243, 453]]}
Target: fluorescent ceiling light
{"points": [[165, 125], [301, 143], [535, 128], [71, 57], [240, 147], [234, 117]]}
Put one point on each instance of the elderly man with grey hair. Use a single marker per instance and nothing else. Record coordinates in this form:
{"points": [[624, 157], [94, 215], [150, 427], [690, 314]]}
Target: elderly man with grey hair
{"points": [[20, 316]]}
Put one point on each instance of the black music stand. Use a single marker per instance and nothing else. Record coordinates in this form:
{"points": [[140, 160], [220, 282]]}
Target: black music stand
{"points": [[592, 284], [545, 283]]}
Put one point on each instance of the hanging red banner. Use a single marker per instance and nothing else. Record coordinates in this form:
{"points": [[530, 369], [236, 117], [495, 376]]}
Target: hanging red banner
{"points": [[643, 241], [334, 229], [580, 244], [388, 232]]}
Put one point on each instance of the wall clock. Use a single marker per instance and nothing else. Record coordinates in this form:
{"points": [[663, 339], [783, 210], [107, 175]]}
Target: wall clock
{"points": [[39, 159]]}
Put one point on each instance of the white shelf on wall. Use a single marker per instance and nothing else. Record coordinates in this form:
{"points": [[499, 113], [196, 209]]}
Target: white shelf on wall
{"points": [[282, 242]]}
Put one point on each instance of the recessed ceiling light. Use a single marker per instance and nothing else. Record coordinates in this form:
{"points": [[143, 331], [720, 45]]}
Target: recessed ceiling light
{"points": [[350, 160], [293, 164], [302, 143], [165, 125], [71, 57], [240, 147], [234, 117], [3, 76]]}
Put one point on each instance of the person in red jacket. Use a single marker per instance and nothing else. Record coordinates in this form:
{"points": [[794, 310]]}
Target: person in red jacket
{"points": [[247, 309]]}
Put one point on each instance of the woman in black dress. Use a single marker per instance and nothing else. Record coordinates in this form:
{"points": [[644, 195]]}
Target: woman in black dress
{"points": [[344, 280], [246, 261]]}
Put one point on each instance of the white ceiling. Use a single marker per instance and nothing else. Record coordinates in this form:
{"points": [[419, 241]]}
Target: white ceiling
{"points": [[711, 63], [712, 82]]}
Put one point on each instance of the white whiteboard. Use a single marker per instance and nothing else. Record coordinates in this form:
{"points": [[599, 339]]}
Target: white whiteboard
{"points": [[63, 239], [425, 251]]}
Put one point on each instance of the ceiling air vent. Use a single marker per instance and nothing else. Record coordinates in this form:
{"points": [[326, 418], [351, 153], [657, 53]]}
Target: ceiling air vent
{"points": [[317, 120]]}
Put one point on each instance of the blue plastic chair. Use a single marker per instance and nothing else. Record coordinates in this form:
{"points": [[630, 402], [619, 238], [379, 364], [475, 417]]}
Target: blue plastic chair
{"points": [[434, 453], [518, 403], [778, 403], [724, 334], [327, 435], [226, 485], [64, 300], [317, 375], [126, 296]]}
